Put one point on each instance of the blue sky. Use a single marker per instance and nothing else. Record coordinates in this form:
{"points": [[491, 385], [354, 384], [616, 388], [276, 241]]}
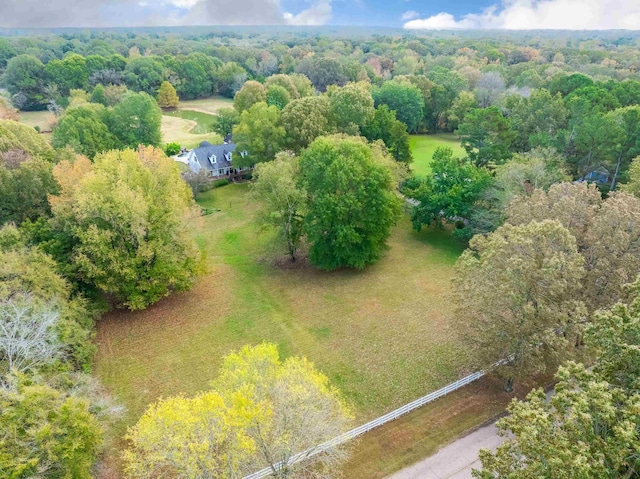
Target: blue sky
{"points": [[389, 12], [418, 14]]}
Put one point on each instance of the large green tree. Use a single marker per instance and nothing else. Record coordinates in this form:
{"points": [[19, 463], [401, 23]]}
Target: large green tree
{"points": [[306, 119], [486, 136], [25, 79], [628, 119], [84, 128], [126, 216], [24, 187], [68, 74], [25, 173], [144, 74], [252, 92], [351, 107], [46, 433], [565, 84], [224, 122], [352, 204], [136, 120], [384, 126], [278, 96], [517, 293], [403, 98], [596, 142], [447, 87], [587, 430], [260, 134], [322, 72], [196, 75], [450, 192], [537, 119]]}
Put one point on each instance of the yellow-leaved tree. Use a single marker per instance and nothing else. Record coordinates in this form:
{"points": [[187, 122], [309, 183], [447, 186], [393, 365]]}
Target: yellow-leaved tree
{"points": [[167, 96], [260, 413]]}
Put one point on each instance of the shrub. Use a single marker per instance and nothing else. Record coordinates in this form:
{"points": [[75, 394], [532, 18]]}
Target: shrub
{"points": [[172, 149], [221, 182]]}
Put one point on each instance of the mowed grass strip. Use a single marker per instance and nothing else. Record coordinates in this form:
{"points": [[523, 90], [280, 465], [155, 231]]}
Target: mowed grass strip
{"points": [[209, 105], [424, 146], [384, 336], [203, 120], [179, 130]]}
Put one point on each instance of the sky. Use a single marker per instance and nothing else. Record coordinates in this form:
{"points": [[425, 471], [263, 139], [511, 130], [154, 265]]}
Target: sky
{"points": [[410, 14]]}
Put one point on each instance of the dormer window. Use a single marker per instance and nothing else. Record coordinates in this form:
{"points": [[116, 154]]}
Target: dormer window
{"points": [[243, 153], [228, 156], [212, 159]]}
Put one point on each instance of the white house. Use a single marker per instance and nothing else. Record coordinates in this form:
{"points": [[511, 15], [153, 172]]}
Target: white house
{"points": [[216, 160]]}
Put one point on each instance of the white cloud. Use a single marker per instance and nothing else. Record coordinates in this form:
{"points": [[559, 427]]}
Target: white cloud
{"points": [[542, 14], [410, 14], [182, 3], [318, 14]]}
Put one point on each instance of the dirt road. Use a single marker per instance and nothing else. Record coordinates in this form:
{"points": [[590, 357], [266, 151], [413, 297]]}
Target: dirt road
{"points": [[456, 460]]}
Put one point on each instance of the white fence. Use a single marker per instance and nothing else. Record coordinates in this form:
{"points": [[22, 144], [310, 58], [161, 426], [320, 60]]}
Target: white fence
{"points": [[347, 436]]}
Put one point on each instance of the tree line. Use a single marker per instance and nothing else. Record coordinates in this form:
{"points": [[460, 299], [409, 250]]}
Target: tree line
{"points": [[77, 236]]}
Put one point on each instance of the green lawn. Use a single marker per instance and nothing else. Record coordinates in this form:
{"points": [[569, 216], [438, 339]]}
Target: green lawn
{"points": [[384, 336], [209, 105], [423, 147], [179, 130], [190, 123], [203, 120], [43, 119]]}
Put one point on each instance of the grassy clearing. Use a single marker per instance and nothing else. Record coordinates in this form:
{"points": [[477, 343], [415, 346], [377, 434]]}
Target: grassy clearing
{"points": [[179, 130], [209, 105], [43, 119], [203, 120], [190, 124], [423, 147], [384, 336]]}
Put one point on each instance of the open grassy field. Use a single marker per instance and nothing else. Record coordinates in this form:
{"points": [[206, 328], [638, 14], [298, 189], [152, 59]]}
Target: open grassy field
{"points": [[384, 336], [179, 130], [423, 147], [43, 119], [190, 123], [203, 120], [209, 105]]}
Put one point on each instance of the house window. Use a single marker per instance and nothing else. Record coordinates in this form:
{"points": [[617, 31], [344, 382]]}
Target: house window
{"points": [[212, 159]]}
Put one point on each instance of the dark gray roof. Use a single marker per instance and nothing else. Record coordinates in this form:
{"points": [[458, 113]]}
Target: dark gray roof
{"points": [[206, 149]]}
